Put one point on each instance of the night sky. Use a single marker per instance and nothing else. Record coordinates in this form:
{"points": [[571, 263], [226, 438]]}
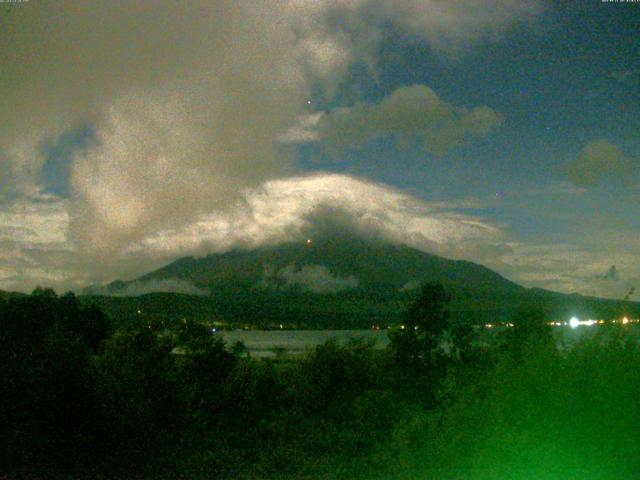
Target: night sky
{"points": [[501, 132]]}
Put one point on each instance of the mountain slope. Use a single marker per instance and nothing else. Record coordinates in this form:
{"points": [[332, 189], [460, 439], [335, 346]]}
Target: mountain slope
{"points": [[373, 264], [337, 281]]}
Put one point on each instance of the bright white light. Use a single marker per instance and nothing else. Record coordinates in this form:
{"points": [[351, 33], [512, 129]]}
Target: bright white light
{"points": [[574, 322], [625, 320]]}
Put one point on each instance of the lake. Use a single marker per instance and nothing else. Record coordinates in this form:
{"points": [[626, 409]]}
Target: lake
{"points": [[267, 343]]}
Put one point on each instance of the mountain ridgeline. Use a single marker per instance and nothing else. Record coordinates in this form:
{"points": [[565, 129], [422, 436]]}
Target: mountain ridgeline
{"points": [[332, 282], [374, 265]]}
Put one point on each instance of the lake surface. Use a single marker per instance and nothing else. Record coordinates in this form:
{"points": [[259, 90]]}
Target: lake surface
{"points": [[268, 343]]}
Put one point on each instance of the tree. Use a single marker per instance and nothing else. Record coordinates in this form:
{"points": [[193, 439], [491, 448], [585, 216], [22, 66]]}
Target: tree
{"points": [[48, 402], [238, 348], [462, 337], [94, 327], [426, 321], [90, 324], [529, 329]]}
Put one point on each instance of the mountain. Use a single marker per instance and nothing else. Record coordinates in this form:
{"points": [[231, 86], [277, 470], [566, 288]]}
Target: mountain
{"points": [[332, 281], [5, 295], [370, 265]]}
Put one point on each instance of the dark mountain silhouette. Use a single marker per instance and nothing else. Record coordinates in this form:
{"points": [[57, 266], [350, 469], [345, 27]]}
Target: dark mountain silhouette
{"points": [[338, 281], [373, 264]]}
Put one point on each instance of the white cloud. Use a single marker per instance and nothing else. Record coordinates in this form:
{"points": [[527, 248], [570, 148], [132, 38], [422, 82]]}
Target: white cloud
{"points": [[290, 209], [34, 222], [568, 268], [35, 248], [315, 278], [188, 101], [452, 25], [38, 248], [447, 26], [304, 130], [409, 115], [601, 159], [142, 287], [557, 188]]}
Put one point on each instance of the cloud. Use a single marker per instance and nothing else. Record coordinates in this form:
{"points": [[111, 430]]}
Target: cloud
{"points": [[601, 160], [315, 278], [449, 27], [569, 268], [34, 222], [38, 247], [185, 106], [305, 130], [187, 103], [35, 248], [167, 285], [557, 189], [292, 208], [452, 25], [409, 115], [58, 154]]}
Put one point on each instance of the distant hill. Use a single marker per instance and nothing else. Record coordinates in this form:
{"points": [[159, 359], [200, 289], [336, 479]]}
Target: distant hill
{"points": [[332, 281], [4, 295]]}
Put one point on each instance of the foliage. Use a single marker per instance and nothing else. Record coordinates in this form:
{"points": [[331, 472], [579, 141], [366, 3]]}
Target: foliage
{"points": [[426, 321], [569, 416], [530, 330], [79, 399], [48, 400]]}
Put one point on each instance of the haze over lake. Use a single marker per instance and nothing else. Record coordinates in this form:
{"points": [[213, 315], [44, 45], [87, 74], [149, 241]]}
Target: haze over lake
{"points": [[267, 343]]}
